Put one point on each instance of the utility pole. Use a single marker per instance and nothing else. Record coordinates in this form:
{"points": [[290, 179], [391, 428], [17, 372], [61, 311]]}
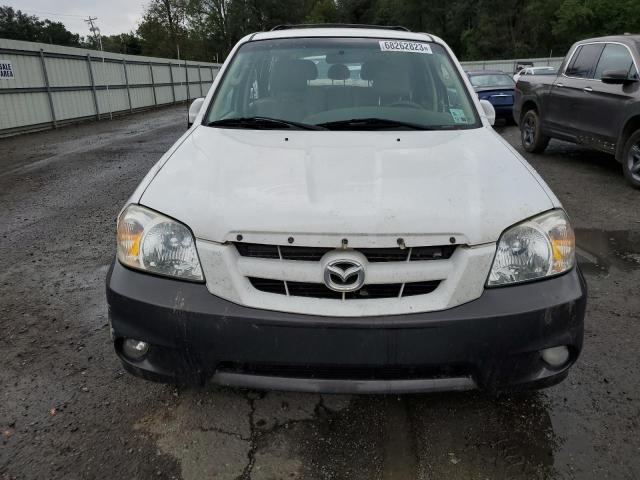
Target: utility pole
{"points": [[95, 31]]}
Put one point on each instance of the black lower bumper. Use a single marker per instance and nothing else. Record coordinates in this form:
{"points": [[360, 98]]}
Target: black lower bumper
{"points": [[491, 343], [504, 111]]}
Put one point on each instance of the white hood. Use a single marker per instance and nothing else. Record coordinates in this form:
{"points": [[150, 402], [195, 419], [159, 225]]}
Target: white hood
{"points": [[421, 186]]}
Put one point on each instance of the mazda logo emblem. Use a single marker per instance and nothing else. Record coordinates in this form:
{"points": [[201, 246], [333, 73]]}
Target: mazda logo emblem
{"points": [[344, 275]]}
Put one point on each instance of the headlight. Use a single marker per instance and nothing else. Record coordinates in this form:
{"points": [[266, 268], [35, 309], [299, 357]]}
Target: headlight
{"points": [[156, 244], [540, 247]]}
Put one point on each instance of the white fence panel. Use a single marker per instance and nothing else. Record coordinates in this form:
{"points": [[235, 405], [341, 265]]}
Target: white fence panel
{"points": [[139, 74], [205, 74], [73, 104], [53, 84], [112, 100], [30, 72], [179, 73], [181, 92], [67, 72], [161, 74], [141, 97], [19, 109], [164, 95]]}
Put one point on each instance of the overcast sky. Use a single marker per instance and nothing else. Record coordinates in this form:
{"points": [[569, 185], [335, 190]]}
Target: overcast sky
{"points": [[114, 16]]}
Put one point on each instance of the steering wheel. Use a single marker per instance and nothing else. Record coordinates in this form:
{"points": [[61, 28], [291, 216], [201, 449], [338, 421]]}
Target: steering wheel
{"points": [[407, 104]]}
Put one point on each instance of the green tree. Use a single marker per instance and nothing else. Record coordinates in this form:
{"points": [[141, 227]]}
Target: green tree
{"points": [[577, 19], [324, 11], [163, 28], [510, 28], [16, 25], [475, 29], [356, 11], [127, 43], [221, 23], [212, 18], [390, 12]]}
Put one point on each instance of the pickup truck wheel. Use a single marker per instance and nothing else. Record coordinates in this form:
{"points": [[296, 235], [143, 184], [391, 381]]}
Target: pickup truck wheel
{"points": [[533, 140], [631, 160]]}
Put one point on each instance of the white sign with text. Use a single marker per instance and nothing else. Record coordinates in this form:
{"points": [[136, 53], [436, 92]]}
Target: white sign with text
{"points": [[6, 69]]}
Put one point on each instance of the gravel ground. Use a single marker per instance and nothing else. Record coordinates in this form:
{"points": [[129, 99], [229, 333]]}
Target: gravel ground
{"points": [[68, 411]]}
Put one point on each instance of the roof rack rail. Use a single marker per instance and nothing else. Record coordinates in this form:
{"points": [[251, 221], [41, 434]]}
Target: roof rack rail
{"points": [[338, 25]]}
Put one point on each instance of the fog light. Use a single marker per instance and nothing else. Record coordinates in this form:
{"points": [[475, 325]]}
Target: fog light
{"points": [[134, 349], [556, 356]]}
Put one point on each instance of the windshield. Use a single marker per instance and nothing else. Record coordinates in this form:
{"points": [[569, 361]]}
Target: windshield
{"points": [[492, 80], [331, 81]]}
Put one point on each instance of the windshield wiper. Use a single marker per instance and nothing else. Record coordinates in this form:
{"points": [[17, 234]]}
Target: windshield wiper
{"points": [[372, 124], [262, 123]]}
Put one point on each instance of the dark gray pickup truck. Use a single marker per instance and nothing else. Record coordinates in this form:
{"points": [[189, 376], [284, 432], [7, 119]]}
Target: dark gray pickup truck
{"points": [[594, 101]]}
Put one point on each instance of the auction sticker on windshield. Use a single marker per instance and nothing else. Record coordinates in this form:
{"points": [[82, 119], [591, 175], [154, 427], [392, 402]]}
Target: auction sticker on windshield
{"points": [[458, 115], [400, 46]]}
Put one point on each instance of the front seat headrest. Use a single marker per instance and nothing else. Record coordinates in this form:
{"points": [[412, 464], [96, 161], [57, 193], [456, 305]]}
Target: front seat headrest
{"points": [[339, 72], [373, 68], [387, 80], [292, 75]]}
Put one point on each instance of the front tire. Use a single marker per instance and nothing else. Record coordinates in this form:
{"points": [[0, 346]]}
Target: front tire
{"points": [[533, 141], [631, 160]]}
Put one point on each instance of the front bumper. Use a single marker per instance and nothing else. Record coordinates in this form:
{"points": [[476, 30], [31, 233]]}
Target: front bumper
{"points": [[491, 343]]}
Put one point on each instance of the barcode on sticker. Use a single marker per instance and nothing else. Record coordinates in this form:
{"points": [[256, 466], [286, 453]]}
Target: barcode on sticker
{"points": [[399, 46]]}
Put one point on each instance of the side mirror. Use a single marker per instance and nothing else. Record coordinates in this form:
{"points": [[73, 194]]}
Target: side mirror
{"points": [[194, 110], [616, 77], [489, 111]]}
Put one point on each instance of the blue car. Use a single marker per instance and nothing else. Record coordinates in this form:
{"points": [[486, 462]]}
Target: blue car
{"points": [[496, 87]]}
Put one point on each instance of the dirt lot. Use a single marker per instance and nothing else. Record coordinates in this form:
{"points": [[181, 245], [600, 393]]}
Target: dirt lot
{"points": [[68, 411]]}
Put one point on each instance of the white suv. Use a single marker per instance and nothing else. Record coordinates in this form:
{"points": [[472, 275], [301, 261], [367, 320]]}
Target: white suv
{"points": [[342, 217]]}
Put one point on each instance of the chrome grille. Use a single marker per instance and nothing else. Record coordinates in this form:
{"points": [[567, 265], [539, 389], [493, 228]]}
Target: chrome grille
{"points": [[290, 271], [461, 278]]}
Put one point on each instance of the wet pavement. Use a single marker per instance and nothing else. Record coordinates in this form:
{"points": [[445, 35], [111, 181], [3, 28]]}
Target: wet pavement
{"points": [[68, 410], [600, 251]]}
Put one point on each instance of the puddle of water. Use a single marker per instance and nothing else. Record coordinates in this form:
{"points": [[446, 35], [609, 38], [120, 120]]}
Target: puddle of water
{"points": [[600, 251]]}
